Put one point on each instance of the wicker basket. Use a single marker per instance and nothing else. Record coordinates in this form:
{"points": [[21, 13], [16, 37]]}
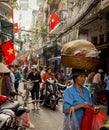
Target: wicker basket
{"points": [[88, 63]]}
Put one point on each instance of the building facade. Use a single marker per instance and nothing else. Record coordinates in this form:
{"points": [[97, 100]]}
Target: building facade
{"points": [[6, 22], [81, 19]]}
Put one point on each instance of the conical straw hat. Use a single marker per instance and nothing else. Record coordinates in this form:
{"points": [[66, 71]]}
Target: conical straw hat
{"points": [[4, 68]]}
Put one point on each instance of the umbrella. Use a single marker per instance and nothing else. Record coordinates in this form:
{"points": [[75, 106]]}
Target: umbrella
{"points": [[55, 58]]}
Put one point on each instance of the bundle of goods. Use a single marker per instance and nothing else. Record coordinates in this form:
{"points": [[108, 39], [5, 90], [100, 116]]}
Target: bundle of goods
{"points": [[80, 54]]}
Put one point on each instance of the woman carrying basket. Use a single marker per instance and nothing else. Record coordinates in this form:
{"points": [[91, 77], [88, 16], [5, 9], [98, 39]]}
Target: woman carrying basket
{"points": [[77, 98]]}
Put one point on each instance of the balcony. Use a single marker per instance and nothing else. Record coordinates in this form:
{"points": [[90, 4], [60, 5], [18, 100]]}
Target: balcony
{"points": [[5, 10]]}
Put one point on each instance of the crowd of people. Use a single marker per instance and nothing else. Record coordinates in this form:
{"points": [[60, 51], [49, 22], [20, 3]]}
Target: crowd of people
{"points": [[96, 81], [85, 89], [10, 79]]}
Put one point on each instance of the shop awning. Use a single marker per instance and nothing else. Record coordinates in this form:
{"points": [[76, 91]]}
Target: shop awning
{"points": [[55, 58]]}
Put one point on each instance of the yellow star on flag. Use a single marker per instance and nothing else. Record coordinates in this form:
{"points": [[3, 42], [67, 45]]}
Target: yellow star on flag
{"points": [[10, 51], [52, 20]]}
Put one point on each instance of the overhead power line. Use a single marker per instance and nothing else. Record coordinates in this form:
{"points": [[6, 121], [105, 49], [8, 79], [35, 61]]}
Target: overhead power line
{"points": [[38, 32]]}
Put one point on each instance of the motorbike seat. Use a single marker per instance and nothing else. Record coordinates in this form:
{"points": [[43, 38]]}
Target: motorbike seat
{"points": [[13, 105]]}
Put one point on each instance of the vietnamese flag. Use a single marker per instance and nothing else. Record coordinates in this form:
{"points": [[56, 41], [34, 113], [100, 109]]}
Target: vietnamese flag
{"points": [[8, 52], [15, 26], [54, 19]]}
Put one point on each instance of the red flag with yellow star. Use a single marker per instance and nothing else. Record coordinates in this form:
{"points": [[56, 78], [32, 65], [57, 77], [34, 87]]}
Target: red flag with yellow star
{"points": [[15, 26], [54, 19], [8, 52]]}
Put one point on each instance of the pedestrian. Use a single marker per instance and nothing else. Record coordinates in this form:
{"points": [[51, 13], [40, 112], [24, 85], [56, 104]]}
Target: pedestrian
{"points": [[41, 85], [25, 71], [35, 77], [43, 70], [44, 77], [61, 76], [88, 83], [106, 80], [17, 75], [12, 77], [6, 85], [77, 97], [96, 83]]}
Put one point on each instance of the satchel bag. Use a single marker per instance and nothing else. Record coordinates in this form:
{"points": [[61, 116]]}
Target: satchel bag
{"points": [[70, 122]]}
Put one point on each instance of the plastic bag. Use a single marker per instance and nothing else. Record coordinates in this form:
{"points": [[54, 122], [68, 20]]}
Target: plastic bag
{"points": [[70, 122], [98, 120], [86, 123], [26, 119]]}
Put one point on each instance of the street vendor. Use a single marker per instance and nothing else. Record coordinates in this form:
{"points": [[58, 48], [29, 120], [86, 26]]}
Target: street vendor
{"points": [[77, 97]]}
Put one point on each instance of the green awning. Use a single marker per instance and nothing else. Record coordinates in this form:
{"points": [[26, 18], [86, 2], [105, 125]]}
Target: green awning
{"points": [[6, 28]]}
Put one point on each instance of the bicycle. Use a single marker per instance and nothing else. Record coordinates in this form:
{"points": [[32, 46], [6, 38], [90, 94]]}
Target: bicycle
{"points": [[28, 85], [25, 96]]}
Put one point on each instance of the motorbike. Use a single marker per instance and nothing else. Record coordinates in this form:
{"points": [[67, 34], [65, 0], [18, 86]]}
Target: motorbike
{"points": [[11, 113], [61, 89], [50, 94]]}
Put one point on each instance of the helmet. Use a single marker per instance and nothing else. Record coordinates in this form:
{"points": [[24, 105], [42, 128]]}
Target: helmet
{"points": [[33, 67], [100, 70]]}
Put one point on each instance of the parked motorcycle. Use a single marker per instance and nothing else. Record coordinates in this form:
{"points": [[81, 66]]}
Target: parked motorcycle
{"points": [[11, 113], [50, 94]]}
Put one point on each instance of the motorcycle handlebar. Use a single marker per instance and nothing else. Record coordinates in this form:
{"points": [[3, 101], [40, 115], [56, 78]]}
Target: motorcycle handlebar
{"points": [[61, 85], [29, 82]]}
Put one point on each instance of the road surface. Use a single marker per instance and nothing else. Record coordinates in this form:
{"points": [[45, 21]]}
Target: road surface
{"points": [[45, 118]]}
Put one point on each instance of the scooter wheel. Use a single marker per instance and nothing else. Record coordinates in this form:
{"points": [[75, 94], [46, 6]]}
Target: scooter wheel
{"points": [[53, 105]]}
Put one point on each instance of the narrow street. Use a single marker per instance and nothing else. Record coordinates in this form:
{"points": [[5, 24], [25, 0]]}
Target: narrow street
{"points": [[45, 118]]}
